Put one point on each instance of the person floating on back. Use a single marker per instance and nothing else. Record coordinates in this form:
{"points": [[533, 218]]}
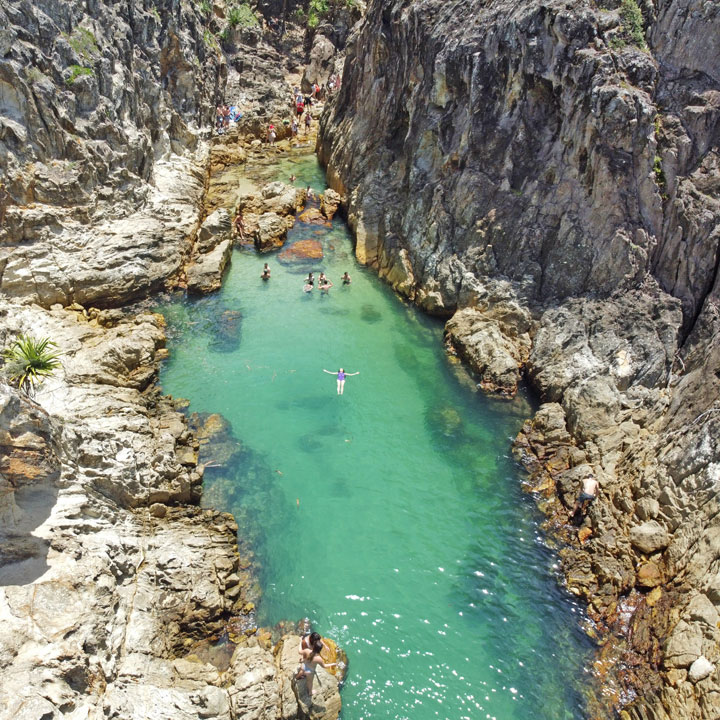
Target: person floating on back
{"points": [[341, 375]]}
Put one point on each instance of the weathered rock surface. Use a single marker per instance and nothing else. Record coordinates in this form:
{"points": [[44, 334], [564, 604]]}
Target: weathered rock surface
{"points": [[107, 592], [205, 272], [531, 151], [99, 152]]}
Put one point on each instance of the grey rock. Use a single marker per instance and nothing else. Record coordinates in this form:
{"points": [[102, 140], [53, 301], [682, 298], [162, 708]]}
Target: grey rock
{"points": [[701, 609], [647, 508], [321, 63], [649, 537], [215, 228], [684, 645], [204, 274], [700, 669]]}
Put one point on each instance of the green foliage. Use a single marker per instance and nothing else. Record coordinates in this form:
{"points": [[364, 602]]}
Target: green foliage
{"points": [[34, 75], [75, 72], [29, 360], [632, 20], [210, 40], [659, 174], [83, 42], [241, 15], [316, 10], [204, 7]]}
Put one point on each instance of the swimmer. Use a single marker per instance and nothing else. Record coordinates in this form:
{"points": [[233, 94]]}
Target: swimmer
{"points": [[341, 375], [346, 278], [266, 272], [325, 286]]}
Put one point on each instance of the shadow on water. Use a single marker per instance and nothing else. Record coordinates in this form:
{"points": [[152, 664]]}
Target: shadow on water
{"points": [[208, 316]]}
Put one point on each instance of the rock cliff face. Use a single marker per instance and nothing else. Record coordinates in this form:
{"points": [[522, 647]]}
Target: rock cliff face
{"points": [[100, 104], [549, 174]]}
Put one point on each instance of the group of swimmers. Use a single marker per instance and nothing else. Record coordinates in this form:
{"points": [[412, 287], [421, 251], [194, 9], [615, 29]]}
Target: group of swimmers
{"points": [[324, 282]]}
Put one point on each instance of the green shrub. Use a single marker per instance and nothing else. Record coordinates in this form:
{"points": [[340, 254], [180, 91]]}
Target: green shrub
{"points": [[632, 20], [659, 174], [29, 360], [241, 15], [83, 42], [76, 71], [204, 7], [316, 10]]}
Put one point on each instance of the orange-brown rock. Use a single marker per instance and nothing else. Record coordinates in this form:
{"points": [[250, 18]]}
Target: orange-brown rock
{"points": [[302, 251]]}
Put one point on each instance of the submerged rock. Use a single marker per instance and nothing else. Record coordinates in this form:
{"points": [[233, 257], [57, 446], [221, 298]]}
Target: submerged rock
{"points": [[302, 251]]}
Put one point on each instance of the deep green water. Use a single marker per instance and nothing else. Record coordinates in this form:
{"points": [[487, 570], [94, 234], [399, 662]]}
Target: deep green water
{"points": [[391, 516]]}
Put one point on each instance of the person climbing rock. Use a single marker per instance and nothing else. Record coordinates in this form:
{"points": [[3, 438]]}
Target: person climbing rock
{"points": [[311, 658], [588, 494], [239, 226], [341, 375]]}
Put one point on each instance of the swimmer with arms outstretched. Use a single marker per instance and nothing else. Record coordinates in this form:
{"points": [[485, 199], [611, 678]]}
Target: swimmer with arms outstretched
{"points": [[341, 375]]}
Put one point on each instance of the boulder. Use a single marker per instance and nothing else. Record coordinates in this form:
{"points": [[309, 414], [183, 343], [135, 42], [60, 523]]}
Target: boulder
{"points": [[649, 537], [320, 65], [497, 357], [701, 609], [271, 232], [215, 228], [648, 575], [700, 669], [329, 203], [204, 274], [684, 645]]}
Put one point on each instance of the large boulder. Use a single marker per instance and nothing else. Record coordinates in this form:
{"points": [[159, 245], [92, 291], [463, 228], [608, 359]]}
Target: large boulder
{"points": [[484, 341], [204, 274], [649, 537], [320, 65], [271, 232], [684, 645], [215, 228]]}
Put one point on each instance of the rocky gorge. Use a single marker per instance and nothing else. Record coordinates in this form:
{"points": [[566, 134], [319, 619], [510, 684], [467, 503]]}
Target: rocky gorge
{"points": [[546, 176], [537, 173]]}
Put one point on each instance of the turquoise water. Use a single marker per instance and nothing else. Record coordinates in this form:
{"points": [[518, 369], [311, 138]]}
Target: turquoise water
{"points": [[391, 515]]}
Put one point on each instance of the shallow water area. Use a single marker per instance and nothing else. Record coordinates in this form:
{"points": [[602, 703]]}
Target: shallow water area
{"points": [[390, 515]]}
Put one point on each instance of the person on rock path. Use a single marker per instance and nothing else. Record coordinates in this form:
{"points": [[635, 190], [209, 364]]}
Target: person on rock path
{"points": [[588, 494]]}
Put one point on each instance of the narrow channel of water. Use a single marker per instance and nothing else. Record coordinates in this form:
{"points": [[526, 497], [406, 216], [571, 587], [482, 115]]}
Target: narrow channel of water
{"points": [[391, 516]]}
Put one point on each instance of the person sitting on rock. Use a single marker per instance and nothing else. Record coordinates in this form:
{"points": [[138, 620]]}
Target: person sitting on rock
{"points": [[588, 494]]}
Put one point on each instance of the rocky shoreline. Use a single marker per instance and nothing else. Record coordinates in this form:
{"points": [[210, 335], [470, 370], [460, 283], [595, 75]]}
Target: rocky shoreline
{"points": [[119, 595], [525, 172]]}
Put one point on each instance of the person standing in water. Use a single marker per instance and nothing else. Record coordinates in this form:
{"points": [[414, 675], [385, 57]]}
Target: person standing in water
{"points": [[266, 272], [341, 375], [346, 278]]}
